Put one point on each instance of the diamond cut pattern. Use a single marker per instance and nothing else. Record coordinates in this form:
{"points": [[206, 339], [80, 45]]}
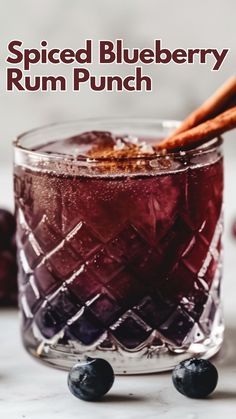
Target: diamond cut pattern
{"points": [[86, 287], [45, 280], [176, 325], [32, 297], [87, 328], [131, 332], [54, 313], [64, 261], [83, 241], [47, 236], [153, 310], [104, 266], [106, 309]]}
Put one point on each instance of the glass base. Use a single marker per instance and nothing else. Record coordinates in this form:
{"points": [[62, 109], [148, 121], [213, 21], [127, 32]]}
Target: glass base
{"points": [[150, 359]]}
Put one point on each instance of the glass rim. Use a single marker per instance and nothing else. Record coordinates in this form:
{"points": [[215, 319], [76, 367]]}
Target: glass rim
{"points": [[206, 147]]}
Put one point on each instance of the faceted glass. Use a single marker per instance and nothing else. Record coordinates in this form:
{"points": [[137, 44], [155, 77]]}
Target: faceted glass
{"points": [[118, 258]]}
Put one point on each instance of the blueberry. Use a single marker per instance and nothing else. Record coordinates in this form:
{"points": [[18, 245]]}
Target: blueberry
{"points": [[234, 229], [8, 265], [8, 272], [12, 247], [91, 379], [195, 378], [7, 228]]}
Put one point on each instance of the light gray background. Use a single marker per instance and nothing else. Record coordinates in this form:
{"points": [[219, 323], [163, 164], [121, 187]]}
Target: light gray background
{"points": [[177, 89]]}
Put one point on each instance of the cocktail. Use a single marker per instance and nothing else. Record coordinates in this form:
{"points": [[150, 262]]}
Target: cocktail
{"points": [[119, 246]]}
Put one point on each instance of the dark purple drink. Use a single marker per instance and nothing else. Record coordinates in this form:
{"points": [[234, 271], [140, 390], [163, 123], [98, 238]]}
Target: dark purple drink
{"points": [[120, 251]]}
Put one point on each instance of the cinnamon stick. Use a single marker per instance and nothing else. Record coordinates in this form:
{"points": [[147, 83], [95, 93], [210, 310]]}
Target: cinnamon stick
{"points": [[201, 133], [222, 99]]}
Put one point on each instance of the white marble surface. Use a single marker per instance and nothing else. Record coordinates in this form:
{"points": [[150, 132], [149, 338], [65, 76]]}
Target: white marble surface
{"points": [[32, 391]]}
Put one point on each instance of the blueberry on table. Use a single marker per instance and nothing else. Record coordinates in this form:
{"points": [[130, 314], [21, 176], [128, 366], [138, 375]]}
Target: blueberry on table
{"points": [[91, 379], [8, 265], [7, 227], [234, 229], [195, 378], [8, 272]]}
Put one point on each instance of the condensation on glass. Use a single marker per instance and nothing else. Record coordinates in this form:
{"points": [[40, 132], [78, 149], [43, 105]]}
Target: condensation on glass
{"points": [[119, 259]]}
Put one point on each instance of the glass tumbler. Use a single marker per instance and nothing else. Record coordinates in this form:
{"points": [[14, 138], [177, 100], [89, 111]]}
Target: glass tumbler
{"points": [[119, 258]]}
